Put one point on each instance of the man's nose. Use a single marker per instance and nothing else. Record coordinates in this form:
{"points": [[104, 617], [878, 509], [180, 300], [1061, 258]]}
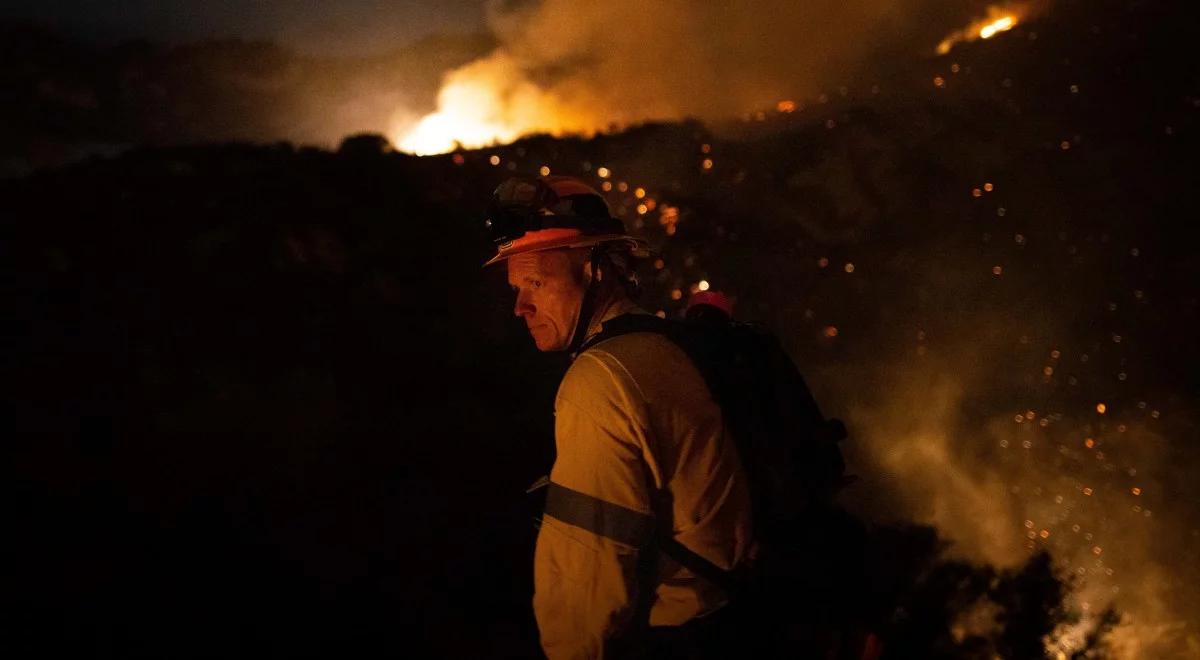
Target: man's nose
{"points": [[522, 306]]}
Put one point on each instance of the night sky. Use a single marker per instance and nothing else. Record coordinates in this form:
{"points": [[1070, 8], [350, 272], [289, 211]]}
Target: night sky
{"points": [[345, 27]]}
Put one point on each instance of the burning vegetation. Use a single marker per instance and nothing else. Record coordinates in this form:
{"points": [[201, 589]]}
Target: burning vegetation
{"points": [[564, 67], [501, 97], [998, 19]]}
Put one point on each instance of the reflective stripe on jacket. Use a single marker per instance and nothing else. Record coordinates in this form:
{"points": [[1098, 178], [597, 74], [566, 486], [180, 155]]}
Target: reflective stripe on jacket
{"points": [[641, 448]]}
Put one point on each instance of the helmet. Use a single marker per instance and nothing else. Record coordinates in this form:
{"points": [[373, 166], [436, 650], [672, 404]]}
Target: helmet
{"points": [[547, 213]]}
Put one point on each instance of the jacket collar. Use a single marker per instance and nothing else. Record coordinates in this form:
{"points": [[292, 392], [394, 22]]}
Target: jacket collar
{"points": [[611, 311]]}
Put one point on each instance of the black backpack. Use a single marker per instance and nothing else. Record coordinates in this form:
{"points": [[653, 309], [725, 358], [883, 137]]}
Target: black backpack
{"points": [[793, 460]]}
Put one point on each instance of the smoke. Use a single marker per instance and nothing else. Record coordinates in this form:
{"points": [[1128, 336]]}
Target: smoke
{"points": [[992, 486], [209, 91], [629, 60], [969, 432], [569, 67]]}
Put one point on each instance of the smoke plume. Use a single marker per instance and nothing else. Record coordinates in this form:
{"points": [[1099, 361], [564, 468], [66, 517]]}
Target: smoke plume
{"points": [[569, 67]]}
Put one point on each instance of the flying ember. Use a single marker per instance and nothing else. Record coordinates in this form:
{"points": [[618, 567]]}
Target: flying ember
{"points": [[998, 20]]}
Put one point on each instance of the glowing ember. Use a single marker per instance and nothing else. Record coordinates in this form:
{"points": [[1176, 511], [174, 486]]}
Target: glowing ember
{"points": [[998, 20]]}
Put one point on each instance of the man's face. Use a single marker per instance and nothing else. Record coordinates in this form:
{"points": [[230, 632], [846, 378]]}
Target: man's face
{"points": [[549, 291]]}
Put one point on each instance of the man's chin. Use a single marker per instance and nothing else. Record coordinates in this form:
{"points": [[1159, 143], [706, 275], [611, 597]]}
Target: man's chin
{"points": [[548, 348], [548, 344]]}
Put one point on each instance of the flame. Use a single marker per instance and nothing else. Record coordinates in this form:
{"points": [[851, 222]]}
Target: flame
{"points": [[998, 20], [489, 101], [1000, 25]]}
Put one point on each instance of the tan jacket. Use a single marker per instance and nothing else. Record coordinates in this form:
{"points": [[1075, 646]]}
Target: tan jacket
{"points": [[641, 446]]}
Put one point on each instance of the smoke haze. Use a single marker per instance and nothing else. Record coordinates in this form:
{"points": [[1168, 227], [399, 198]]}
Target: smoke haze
{"points": [[568, 67]]}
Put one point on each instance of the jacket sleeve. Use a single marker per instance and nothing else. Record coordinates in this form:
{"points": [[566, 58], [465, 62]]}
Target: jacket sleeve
{"points": [[597, 513]]}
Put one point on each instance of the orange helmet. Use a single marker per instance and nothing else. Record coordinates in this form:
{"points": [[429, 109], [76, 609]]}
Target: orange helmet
{"points": [[547, 213]]}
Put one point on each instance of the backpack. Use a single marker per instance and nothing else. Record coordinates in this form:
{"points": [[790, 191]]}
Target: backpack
{"points": [[791, 455]]}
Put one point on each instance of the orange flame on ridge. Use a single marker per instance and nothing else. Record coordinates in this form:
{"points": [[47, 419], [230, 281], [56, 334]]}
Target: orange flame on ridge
{"points": [[489, 102], [998, 20]]}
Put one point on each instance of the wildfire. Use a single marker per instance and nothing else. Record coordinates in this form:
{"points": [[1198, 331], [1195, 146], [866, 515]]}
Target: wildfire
{"points": [[998, 20], [488, 102]]}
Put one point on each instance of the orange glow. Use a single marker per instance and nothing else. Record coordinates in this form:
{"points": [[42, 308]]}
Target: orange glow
{"points": [[1089, 443], [544, 170], [786, 106], [998, 20], [1135, 490], [603, 172], [1101, 408], [831, 331], [490, 101], [1002, 25], [707, 164]]}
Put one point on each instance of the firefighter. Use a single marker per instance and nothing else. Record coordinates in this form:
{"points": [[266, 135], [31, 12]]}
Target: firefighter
{"points": [[642, 451]]}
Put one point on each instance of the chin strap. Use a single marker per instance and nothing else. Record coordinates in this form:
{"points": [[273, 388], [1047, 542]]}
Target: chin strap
{"points": [[586, 308]]}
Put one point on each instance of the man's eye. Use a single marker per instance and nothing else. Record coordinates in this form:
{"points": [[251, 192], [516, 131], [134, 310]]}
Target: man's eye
{"points": [[535, 285]]}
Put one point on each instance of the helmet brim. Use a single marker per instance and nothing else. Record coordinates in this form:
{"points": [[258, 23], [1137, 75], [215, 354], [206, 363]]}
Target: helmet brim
{"points": [[636, 246]]}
